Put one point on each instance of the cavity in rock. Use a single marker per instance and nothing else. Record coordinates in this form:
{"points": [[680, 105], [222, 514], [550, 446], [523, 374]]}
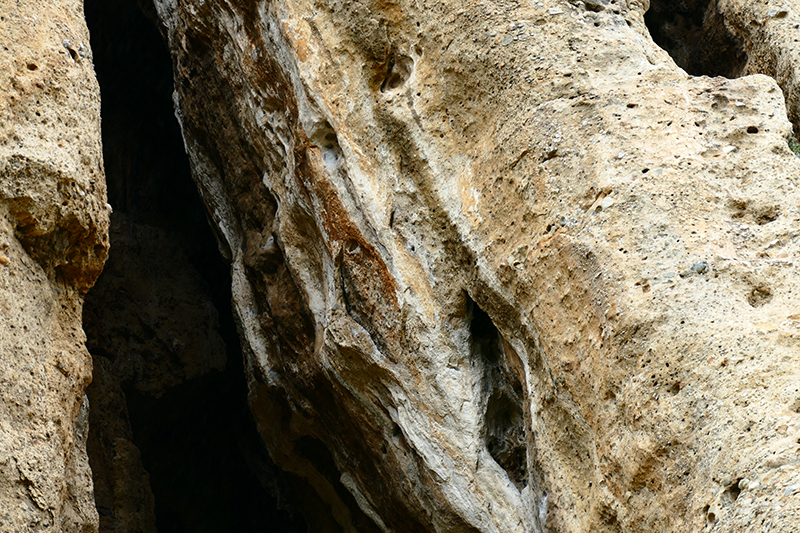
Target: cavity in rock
{"points": [[693, 32], [172, 444], [504, 419]]}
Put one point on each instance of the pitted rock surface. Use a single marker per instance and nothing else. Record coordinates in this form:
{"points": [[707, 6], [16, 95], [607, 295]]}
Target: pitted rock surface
{"points": [[497, 266], [53, 242], [464, 240]]}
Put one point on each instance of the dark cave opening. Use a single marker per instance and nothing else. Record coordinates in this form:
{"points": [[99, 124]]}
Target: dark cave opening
{"points": [[694, 33], [172, 445]]}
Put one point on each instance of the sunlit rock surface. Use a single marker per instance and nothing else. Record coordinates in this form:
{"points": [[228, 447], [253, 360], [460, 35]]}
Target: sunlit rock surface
{"points": [[53, 242], [501, 266], [496, 266]]}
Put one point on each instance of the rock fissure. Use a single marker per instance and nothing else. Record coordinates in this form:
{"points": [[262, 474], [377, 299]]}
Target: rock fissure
{"points": [[503, 396], [695, 35], [172, 444]]}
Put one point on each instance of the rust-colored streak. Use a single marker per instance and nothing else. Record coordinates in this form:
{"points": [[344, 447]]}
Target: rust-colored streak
{"points": [[360, 255]]}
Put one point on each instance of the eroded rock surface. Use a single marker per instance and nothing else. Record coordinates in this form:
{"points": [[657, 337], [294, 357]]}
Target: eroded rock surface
{"points": [[496, 266], [501, 266], [53, 242]]}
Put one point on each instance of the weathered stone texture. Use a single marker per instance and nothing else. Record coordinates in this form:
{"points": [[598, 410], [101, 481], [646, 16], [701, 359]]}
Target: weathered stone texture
{"points": [[497, 266], [501, 266], [53, 240]]}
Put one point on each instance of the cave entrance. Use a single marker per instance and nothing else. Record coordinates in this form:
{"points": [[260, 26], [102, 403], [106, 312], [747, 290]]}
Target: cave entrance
{"points": [[694, 33], [172, 445]]}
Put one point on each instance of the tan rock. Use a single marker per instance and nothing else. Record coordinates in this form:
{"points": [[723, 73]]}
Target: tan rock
{"points": [[53, 236], [54, 241], [502, 266]]}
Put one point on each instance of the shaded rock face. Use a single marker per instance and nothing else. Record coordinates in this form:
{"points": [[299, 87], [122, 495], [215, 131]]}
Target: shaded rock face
{"points": [[171, 443], [695, 35]]}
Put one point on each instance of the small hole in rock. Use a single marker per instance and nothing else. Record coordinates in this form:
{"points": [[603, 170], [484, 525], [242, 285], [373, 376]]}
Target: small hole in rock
{"points": [[752, 129], [766, 214], [32, 66], [759, 296], [352, 245], [732, 491], [397, 72]]}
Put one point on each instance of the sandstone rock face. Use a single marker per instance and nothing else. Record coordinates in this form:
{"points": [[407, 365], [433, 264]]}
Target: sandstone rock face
{"points": [[503, 266], [497, 266], [53, 242]]}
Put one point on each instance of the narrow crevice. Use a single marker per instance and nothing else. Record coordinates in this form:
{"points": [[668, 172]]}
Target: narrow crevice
{"points": [[693, 32], [172, 443], [505, 417]]}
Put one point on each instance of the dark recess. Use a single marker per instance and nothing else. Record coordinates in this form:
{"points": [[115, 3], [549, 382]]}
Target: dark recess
{"points": [[209, 470], [694, 34], [504, 419]]}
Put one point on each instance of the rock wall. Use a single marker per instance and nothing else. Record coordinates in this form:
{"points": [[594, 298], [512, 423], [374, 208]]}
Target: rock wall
{"points": [[496, 266], [53, 242], [501, 266]]}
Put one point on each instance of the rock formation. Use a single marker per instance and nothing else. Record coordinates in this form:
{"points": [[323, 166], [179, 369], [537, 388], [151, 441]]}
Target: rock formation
{"points": [[503, 266], [53, 242], [496, 266]]}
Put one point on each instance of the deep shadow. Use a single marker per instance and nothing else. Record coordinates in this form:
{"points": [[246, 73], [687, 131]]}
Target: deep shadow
{"points": [[208, 468], [694, 34], [504, 421]]}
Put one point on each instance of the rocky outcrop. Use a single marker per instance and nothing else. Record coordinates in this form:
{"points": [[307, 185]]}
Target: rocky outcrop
{"points": [[731, 38], [53, 242], [495, 266], [501, 266]]}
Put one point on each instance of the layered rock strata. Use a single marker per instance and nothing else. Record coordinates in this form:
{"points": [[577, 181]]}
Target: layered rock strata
{"points": [[53, 242]]}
